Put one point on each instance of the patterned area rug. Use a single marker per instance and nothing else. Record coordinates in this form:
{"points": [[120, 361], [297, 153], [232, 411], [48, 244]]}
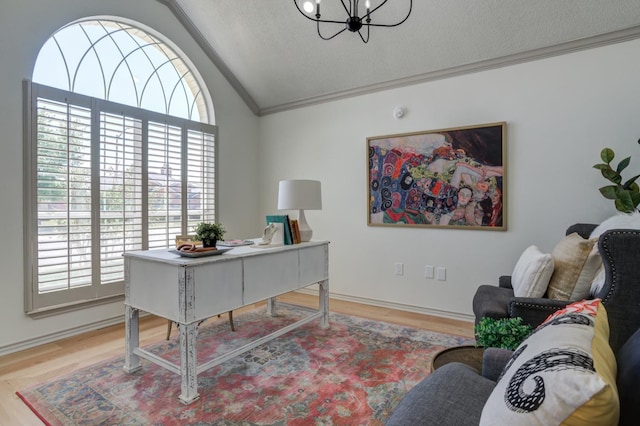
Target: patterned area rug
{"points": [[353, 373]]}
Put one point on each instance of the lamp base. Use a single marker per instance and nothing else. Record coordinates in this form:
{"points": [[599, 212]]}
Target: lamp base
{"points": [[305, 231]]}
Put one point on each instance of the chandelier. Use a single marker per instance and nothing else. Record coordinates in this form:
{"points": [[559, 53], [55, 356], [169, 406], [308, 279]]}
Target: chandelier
{"points": [[354, 21]]}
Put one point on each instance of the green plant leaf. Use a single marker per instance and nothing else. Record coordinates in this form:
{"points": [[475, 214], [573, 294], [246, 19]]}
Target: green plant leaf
{"points": [[609, 192], [624, 202], [623, 164], [612, 175], [601, 166], [635, 199], [607, 155], [629, 184]]}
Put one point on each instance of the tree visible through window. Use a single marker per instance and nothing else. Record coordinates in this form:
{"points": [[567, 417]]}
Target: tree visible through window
{"points": [[118, 158]]}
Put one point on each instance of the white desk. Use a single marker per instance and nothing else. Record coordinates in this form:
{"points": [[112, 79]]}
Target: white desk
{"points": [[188, 290]]}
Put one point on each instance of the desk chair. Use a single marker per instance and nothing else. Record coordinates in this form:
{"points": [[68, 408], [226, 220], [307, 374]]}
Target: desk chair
{"points": [[170, 323]]}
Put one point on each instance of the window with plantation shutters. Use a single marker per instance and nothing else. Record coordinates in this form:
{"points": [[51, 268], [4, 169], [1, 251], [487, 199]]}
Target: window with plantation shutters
{"points": [[119, 156], [104, 179]]}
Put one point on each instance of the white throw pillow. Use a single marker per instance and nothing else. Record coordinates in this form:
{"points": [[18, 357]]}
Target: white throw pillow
{"points": [[619, 221], [531, 274], [563, 373]]}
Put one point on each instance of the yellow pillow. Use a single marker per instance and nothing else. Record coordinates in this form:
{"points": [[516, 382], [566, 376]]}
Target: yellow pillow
{"points": [[564, 373]]}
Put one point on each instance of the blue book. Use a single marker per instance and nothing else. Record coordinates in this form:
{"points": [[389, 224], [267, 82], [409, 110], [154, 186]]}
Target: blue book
{"points": [[284, 219]]}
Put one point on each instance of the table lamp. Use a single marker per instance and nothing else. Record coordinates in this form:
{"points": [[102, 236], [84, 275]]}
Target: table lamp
{"points": [[300, 195]]}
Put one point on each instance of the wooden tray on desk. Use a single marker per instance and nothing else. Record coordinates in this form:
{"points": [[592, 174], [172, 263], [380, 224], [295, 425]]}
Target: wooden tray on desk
{"points": [[201, 253]]}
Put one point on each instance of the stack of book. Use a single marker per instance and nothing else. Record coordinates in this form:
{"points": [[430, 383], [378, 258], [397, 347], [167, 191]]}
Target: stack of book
{"points": [[290, 226]]}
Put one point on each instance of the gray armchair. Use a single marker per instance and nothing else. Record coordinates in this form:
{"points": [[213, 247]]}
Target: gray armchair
{"points": [[620, 251]]}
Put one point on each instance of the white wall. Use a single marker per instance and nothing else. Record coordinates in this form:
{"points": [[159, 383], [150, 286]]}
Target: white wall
{"points": [[560, 113], [24, 26]]}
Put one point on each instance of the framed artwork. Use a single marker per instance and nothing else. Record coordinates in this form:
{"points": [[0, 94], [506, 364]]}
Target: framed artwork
{"points": [[448, 178]]}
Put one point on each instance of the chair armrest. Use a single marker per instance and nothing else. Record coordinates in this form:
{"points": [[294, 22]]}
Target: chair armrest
{"points": [[534, 310], [620, 250], [504, 281], [493, 362]]}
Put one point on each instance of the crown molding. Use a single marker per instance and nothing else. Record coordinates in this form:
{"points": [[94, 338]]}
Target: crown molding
{"points": [[586, 43]]}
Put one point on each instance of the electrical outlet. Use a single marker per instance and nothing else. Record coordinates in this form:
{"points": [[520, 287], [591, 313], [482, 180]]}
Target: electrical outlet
{"points": [[428, 272], [399, 268], [441, 273]]}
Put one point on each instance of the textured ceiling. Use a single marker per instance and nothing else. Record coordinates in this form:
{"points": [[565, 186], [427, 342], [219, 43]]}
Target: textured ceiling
{"points": [[275, 59]]}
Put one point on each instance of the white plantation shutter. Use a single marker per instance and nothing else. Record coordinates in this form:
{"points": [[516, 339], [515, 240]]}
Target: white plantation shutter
{"points": [[120, 192], [63, 200], [104, 179], [201, 173], [165, 184]]}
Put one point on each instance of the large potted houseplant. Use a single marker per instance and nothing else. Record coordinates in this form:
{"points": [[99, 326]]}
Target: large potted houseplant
{"points": [[626, 195], [209, 233]]}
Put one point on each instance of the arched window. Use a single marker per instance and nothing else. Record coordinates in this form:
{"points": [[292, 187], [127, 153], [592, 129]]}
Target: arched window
{"points": [[120, 157], [122, 63]]}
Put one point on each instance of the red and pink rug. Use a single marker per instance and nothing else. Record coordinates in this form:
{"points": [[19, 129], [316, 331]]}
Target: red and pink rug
{"points": [[353, 373]]}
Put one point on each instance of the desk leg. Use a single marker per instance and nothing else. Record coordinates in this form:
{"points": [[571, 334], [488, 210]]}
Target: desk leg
{"points": [[271, 306], [131, 339], [188, 363], [324, 303]]}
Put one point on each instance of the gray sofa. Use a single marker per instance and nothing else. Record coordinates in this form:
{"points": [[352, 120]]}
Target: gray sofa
{"points": [[455, 394]]}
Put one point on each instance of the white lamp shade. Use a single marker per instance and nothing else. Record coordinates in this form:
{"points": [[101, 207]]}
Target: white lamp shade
{"points": [[299, 195]]}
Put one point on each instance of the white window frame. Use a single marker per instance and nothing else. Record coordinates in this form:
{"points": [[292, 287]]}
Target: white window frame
{"points": [[39, 303]]}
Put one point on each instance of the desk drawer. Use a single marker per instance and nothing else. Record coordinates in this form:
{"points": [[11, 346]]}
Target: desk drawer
{"points": [[270, 275]]}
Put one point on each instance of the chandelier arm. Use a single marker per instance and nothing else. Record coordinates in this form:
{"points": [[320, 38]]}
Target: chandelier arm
{"points": [[314, 19], [328, 21], [362, 38], [379, 6], [329, 38], [390, 25], [346, 9]]}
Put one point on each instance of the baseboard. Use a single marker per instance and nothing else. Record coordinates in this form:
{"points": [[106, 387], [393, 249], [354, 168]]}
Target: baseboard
{"points": [[53, 337], [398, 306], [49, 338]]}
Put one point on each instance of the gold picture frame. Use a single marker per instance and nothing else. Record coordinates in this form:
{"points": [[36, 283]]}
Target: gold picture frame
{"points": [[446, 178]]}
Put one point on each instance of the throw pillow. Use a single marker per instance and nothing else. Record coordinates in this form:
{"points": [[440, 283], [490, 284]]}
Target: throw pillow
{"points": [[564, 373], [531, 274], [619, 221], [575, 266]]}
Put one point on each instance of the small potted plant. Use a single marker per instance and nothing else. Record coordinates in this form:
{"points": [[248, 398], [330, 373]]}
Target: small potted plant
{"points": [[209, 233], [505, 333]]}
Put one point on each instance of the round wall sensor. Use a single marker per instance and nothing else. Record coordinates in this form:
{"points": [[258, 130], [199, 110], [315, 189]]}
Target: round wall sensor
{"points": [[399, 112]]}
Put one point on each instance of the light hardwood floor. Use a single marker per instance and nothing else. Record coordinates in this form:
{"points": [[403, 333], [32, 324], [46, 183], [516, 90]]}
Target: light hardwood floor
{"points": [[32, 366]]}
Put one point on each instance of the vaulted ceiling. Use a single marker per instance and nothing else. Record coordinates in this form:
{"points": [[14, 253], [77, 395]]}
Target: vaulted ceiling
{"points": [[274, 58]]}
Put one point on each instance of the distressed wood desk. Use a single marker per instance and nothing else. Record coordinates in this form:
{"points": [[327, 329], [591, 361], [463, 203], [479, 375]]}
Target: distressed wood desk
{"points": [[188, 290]]}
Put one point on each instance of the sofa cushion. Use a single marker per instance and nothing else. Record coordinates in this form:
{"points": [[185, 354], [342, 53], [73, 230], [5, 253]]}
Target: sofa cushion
{"points": [[628, 380], [433, 401], [531, 274], [576, 264], [563, 373]]}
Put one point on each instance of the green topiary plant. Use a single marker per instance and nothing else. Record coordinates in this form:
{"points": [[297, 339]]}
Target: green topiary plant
{"points": [[625, 195], [209, 233], [505, 333]]}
